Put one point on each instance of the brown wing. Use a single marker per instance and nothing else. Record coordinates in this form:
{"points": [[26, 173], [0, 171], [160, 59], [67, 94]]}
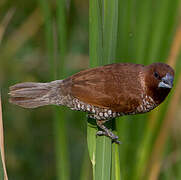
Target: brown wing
{"points": [[115, 86]]}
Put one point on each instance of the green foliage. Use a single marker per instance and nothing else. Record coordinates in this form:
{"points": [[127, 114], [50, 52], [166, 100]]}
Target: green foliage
{"points": [[57, 67], [43, 40], [103, 21]]}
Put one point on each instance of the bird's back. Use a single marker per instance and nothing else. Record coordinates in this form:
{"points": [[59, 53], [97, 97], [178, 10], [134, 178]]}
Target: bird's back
{"points": [[115, 86]]}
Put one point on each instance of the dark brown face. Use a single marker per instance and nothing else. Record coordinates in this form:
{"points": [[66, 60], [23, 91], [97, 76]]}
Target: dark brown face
{"points": [[159, 81]]}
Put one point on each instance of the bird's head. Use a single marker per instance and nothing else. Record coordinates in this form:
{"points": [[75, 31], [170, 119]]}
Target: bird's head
{"points": [[159, 80]]}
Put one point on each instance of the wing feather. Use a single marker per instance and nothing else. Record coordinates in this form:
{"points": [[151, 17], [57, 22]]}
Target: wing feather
{"points": [[115, 86]]}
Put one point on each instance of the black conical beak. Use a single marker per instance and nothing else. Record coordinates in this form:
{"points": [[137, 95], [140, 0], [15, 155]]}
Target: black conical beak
{"points": [[166, 81]]}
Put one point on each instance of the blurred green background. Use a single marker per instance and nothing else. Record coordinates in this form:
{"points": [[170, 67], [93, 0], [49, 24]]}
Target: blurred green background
{"points": [[42, 40]]}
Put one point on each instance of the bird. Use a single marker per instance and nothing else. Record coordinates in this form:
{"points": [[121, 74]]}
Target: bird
{"points": [[104, 92]]}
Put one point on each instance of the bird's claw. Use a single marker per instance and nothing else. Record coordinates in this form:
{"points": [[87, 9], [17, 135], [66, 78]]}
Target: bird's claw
{"points": [[101, 133], [112, 136], [117, 141]]}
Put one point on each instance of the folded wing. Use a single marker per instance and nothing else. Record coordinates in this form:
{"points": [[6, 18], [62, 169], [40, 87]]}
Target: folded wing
{"points": [[115, 87]]}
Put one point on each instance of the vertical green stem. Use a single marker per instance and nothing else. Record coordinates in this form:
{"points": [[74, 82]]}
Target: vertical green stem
{"points": [[95, 33], [103, 159], [62, 160], [48, 34], [116, 173], [60, 116], [110, 25], [96, 57], [103, 19], [56, 44]]}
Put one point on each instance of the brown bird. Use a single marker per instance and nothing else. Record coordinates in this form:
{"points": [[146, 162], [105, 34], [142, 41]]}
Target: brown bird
{"points": [[104, 92]]}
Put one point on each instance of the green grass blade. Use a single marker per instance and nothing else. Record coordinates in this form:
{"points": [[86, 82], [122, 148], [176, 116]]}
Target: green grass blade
{"points": [[91, 142], [63, 166], [103, 159], [157, 29], [62, 160], [103, 20], [96, 58], [46, 11], [110, 23], [86, 168], [142, 29], [58, 72], [126, 27], [116, 172], [62, 37], [95, 33]]}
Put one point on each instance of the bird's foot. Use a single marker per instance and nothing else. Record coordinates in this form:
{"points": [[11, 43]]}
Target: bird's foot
{"points": [[106, 132], [110, 135]]}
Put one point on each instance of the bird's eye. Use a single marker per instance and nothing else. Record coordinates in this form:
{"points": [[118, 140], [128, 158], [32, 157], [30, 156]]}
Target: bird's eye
{"points": [[156, 75]]}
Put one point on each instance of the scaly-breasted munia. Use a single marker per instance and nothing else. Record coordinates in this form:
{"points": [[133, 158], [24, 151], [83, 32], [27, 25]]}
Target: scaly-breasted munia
{"points": [[104, 92]]}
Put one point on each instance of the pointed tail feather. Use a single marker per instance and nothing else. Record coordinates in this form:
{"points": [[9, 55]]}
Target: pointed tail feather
{"points": [[32, 95]]}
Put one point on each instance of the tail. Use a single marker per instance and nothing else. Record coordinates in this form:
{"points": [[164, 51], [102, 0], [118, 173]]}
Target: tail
{"points": [[32, 95]]}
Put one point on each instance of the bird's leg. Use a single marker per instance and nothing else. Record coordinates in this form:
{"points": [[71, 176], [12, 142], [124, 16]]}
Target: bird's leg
{"points": [[106, 131]]}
